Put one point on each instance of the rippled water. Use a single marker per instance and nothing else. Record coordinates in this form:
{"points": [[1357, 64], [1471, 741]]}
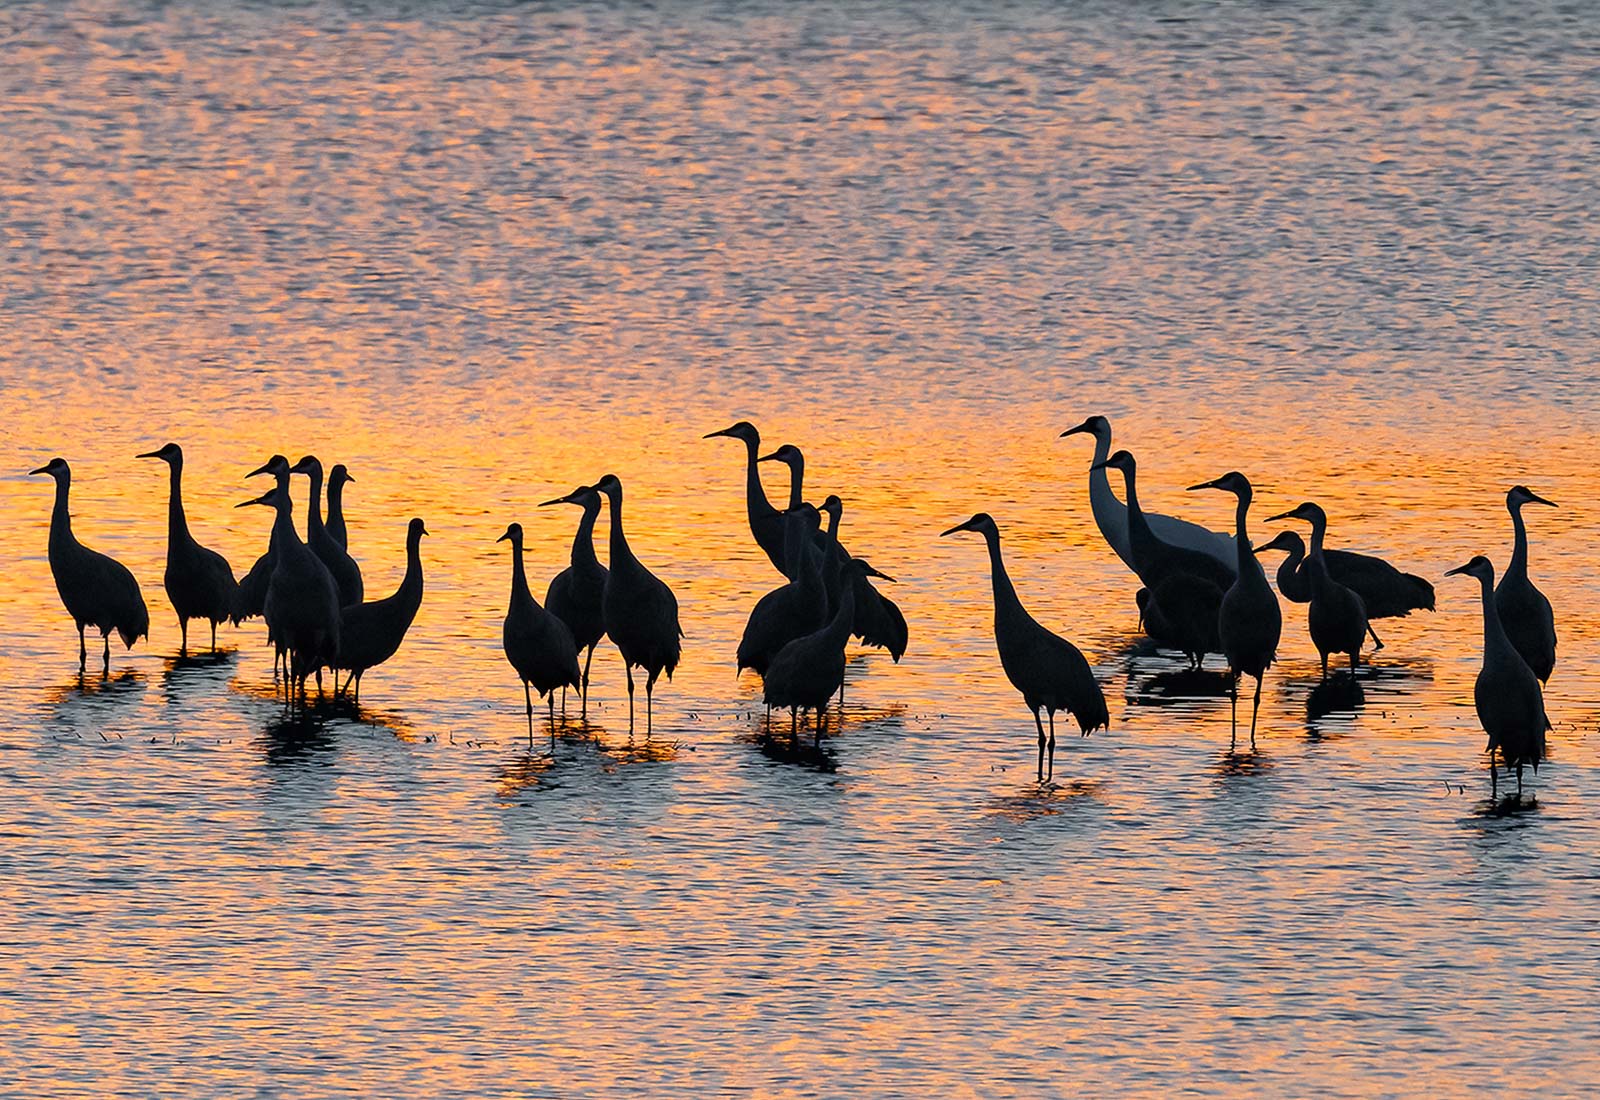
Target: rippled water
{"points": [[482, 254]]}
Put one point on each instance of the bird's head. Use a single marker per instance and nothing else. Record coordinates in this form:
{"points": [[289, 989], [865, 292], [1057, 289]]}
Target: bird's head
{"points": [[171, 452], [1289, 541], [338, 476], [862, 567], [1119, 460], [275, 466], [1307, 513], [833, 506], [584, 495], [415, 529], [513, 535], [56, 467], [788, 454], [983, 523], [307, 465], [1231, 482], [610, 485], [1479, 567], [272, 498], [1521, 494], [743, 430], [1097, 426]]}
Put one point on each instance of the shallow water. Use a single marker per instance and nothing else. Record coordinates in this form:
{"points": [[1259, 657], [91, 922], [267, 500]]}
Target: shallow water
{"points": [[484, 254]]}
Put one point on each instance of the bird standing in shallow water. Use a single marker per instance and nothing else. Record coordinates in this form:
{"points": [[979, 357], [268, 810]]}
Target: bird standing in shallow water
{"points": [[641, 613], [370, 633], [1525, 613], [766, 522], [96, 590], [199, 581], [538, 645], [1509, 703], [1337, 616], [1047, 669], [346, 573], [302, 607], [792, 610], [338, 478], [806, 672], [1249, 621], [577, 594]]}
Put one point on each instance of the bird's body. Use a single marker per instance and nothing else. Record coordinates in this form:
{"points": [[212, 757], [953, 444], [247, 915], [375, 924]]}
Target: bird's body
{"points": [[1524, 611], [97, 590], [1048, 670], [1385, 591], [370, 633], [537, 644], [806, 672], [302, 604], [338, 478], [1506, 693], [791, 610], [343, 568], [641, 613], [199, 581], [1337, 616], [1249, 620], [576, 595], [1184, 585], [766, 522], [1111, 515]]}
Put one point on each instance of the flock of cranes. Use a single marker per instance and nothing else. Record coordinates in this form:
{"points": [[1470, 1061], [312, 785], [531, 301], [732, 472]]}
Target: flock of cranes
{"points": [[1202, 592]]}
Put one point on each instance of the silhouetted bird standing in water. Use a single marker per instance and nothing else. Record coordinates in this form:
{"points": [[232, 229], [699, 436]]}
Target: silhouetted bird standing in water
{"points": [[537, 643], [371, 633], [1184, 587], [1524, 612], [302, 609], [199, 581], [1385, 592], [1337, 615], [96, 590], [805, 673], [1510, 704], [1111, 515], [338, 478], [250, 599], [766, 522], [346, 573], [1047, 669], [641, 613], [791, 610], [577, 594], [1249, 621]]}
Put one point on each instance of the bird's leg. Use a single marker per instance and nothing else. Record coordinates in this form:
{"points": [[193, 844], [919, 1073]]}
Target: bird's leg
{"points": [[1233, 698], [630, 700], [1050, 771], [1377, 642], [1355, 660], [83, 651], [1519, 781], [793, 726], [527, 697], [105, 661], [1040, 726], [1324, 668], [1254, 710], [183, 637], [649, 700], [563, 698], [213, 637], [1494, 778], [319, 681], [358, 689], [586, 661]]}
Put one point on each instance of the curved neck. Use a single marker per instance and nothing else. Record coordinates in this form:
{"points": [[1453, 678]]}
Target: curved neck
{"points": [[283, 524], [1138, 526], [1319, 528], [177, 523], [844, 615], [583, 555], [413, 577], [1005, 593], [1519, 550], [797, 477], [519, 577], [60, 514], [618, 541], [756, 502], [834, 515], [1241, 538], [1291, 562], [313, 509], [1495, 640]]}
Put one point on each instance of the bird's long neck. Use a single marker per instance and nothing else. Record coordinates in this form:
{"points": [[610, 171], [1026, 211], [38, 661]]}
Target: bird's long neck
{"points": [[797, 477], [756, 502], [1248, 563], [283, 532], [314, 504], [61, 515], [1006, 603], [177, 522], [1291, 562], [1519, 550], [1099, 480], [584, 559], [1495, 641], [844, 615], [834, 516], [520, 593], [412, 581], [621, 554], [1319, 528], [794, 531], [1139, 533], [336, 507]]}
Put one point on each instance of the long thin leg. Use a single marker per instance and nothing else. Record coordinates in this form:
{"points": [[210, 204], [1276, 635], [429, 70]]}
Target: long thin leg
{"points": [[1494, 779], [83, 651], [794, 729], [527, 697], [1233, 698], [1040, 726], [1377, 642], [106, 660], [586, 661], [649, 697], [358, 689], [213, 637], [1355, 659], [1324, 666], [1050, 771], [1519, 781], [822, 722], [1255, 708], [183, 637], [630, 699]]}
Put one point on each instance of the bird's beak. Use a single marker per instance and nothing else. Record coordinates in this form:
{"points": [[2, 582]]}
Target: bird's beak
{"points": [[348, 478], [262, 499], [957, 527], [260, 470], [149, 454], [871, 572], [425, 531], [1535, 499], [1458, 569], [713, 435], [40, 470], [568, 499], [1203, 485], [1074, 431], [1282, 515], [503, 537], [768, 458], [1098, 465]]}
